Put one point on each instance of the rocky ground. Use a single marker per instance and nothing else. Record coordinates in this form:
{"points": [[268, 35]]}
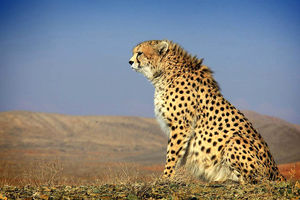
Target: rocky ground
{"points": [[157, 190]]}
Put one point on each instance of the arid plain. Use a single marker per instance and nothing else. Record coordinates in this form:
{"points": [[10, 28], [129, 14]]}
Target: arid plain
{"points": [[44, 148]]}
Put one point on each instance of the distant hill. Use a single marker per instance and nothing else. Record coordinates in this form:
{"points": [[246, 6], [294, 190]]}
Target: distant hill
{"points": [[30, 135]]}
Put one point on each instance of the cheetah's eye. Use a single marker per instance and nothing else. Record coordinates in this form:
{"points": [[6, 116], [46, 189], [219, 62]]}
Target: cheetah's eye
{"points": [[139, 53]]}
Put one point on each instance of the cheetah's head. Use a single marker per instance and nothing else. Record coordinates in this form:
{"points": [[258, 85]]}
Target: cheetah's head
{"points": [[147, 57]]}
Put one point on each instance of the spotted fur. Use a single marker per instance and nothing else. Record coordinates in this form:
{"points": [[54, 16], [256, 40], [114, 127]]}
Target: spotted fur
{"points": [[206, 133]]}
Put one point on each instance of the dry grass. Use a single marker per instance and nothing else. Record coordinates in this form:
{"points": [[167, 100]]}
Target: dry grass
{"points": [[56, 172], [52, 179], [159, 189], [50, 173]]}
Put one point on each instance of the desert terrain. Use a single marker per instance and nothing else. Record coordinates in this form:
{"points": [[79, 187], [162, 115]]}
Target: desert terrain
{"points": [[54, 156], [88, 147]]}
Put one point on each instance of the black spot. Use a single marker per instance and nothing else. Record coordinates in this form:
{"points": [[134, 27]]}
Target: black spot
{"points": [[202, 148], [220, 147], [178, 150], [238, 141], [272, 176], [174, 136], [178, 141], [208, 150]]}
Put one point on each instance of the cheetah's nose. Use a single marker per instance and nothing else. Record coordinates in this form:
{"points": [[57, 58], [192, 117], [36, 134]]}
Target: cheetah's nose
{"points": [[131, 62]]}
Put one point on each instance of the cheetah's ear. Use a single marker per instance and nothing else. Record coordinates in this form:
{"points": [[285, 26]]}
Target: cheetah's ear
{"points": [[162, 47]]}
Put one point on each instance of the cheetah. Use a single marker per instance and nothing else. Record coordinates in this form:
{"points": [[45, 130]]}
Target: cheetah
{"points": [[207, 134]]}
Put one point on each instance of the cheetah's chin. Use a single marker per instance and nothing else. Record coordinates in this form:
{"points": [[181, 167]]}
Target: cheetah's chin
{"points": [[135, 67]]}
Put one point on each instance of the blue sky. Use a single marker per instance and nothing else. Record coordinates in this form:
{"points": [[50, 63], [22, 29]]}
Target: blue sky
{"points": [[71, 57]]}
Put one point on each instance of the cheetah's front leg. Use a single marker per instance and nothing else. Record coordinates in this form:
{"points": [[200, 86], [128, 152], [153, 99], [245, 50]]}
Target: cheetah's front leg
{"points": [[177, 146]]}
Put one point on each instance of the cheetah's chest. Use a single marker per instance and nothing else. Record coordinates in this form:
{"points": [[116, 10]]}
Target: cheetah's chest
{"points": [[159, 110]]}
